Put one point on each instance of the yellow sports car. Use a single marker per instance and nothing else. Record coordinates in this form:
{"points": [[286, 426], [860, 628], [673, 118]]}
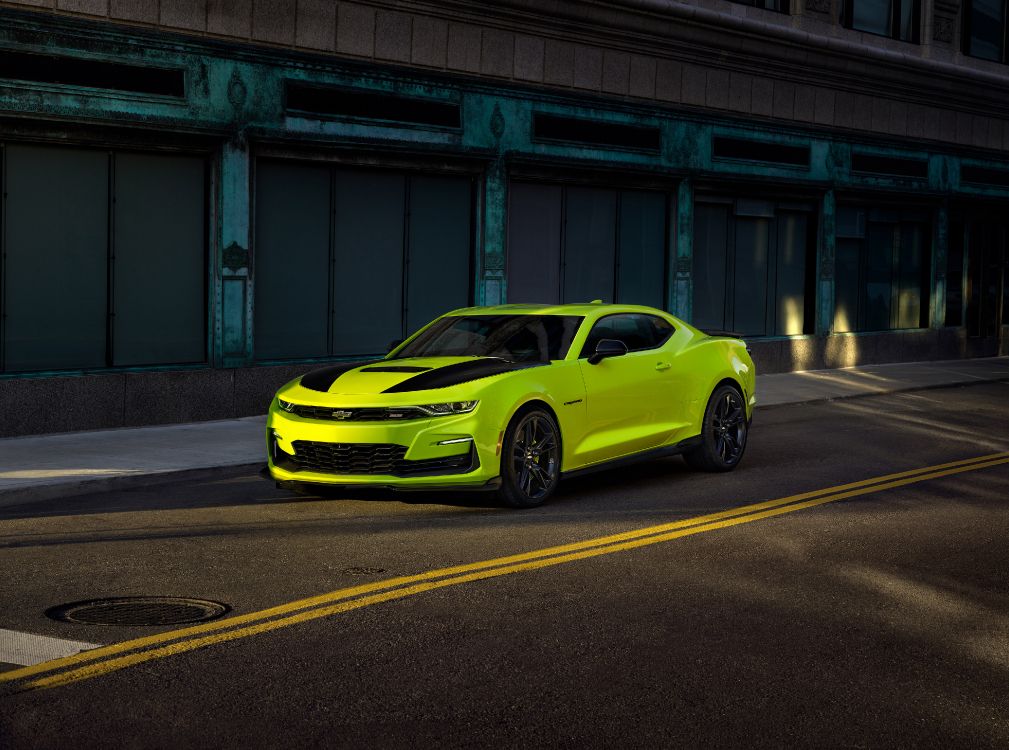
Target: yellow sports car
{"points": [[515, 397]]}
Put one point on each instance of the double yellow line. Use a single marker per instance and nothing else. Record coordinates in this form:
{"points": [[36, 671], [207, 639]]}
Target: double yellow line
{"points": [[101, 661]]}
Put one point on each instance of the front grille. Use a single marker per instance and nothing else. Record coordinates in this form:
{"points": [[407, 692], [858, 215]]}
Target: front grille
{"points": [[373, 458], [348, 458], [364, 414]]}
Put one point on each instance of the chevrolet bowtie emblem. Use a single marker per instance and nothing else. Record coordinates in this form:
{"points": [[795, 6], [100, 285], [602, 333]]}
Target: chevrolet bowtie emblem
{"points": [[340, 414]]}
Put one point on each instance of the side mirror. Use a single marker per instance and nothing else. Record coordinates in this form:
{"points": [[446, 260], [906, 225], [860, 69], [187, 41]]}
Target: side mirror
{"points": [[393, 344], [608, 348]]}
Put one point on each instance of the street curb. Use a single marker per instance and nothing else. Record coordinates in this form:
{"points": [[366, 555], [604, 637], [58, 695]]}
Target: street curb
{"points": [[37, 493], [909, 389]]}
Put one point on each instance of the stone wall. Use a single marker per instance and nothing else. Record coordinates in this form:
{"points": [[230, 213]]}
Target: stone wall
{"points": [[705, 54]]}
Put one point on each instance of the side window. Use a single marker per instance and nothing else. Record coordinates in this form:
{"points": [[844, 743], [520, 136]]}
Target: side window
{"points": [[636, 330]]}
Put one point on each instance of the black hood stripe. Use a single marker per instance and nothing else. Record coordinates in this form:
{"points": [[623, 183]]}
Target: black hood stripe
{"points": [[461, 372], [323, 378]]}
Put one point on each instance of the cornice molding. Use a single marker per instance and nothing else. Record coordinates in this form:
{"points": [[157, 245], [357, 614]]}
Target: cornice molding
{"points": [[702, 36]]}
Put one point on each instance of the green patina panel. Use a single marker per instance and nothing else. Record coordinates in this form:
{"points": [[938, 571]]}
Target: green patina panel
{"points": [[230, 273]]}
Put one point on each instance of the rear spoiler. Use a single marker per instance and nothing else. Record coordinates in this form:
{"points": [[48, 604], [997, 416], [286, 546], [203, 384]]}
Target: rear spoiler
{"points": [[722, 334], [725, 334]]}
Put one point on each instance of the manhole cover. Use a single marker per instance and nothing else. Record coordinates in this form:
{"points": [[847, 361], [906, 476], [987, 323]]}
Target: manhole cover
{"points": [[138, 610]]}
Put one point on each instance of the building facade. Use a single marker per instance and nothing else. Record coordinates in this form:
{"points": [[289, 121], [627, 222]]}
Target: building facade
{"points": [[201, 198]]}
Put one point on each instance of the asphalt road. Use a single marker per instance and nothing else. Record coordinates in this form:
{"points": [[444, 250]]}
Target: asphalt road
{"points": [[876, 620]]}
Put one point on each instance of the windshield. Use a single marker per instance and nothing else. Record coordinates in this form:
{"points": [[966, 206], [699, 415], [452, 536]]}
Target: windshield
{"points": [[517, 338]]}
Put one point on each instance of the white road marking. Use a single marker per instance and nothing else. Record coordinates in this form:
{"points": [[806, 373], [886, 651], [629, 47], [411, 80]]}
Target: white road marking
{"points": [[26, 649]]}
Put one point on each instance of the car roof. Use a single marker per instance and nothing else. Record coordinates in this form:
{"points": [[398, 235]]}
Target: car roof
{"points": [[583, 309]]}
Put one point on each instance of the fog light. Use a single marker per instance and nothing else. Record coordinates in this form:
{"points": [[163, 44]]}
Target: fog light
{"points": [[453, 441]]}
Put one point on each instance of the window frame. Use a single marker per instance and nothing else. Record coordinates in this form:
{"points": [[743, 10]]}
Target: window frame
{"points": [[620, 187], [780, 6], [773, 209], [966, 32], [115, 148], [848, 20], [583, 354], [896, 219]]}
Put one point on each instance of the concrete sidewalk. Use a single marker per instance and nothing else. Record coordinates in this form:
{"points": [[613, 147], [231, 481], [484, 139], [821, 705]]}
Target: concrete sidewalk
{"points": [[39, 467]]}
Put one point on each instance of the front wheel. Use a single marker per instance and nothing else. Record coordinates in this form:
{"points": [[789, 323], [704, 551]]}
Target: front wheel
{"points": [[723, 432], [530, 459]]}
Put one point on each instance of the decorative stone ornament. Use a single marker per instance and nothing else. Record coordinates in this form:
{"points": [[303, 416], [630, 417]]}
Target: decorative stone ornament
{"points": [[944, 20], [497, 123]]}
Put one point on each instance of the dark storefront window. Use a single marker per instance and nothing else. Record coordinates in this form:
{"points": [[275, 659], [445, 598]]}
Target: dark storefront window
{"points": [[753, 266], [987, 258], [882, 269], [897, 19], [348, 260], [576, 244], [985, 29], [86, 287]]}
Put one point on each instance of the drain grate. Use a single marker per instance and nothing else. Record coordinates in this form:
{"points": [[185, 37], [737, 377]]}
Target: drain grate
{"points": [[138, 610]]}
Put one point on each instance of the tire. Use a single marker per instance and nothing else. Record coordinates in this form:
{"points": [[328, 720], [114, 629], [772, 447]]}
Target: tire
{"points": [[723, 432], [530, 459]]}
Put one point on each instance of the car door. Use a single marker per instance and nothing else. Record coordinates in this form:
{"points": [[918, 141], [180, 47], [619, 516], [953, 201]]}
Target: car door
{"points": [[629, 398]]}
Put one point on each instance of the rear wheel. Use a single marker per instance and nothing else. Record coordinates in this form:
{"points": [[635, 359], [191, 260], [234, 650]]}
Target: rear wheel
{"points": [[530, 459], [723, 432]]}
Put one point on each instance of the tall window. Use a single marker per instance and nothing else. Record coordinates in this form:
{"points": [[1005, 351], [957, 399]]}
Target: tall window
{"points": [[897, 19], [576, 244], [985, 29], [753, 266], [105, 259], [348, 260], [882, 269]]}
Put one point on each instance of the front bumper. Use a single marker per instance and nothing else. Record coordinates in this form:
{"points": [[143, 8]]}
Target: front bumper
{"points": [[410, 454]]}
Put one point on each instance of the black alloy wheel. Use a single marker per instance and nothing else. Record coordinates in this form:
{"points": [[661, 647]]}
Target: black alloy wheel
{"points": [[530, 459], [723, 434]]}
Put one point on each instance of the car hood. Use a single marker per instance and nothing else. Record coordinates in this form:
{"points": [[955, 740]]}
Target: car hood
{"points": [[405, 375]]}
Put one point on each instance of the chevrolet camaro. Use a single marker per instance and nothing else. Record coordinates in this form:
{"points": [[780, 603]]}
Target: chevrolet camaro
{"points": [[515, 397]]}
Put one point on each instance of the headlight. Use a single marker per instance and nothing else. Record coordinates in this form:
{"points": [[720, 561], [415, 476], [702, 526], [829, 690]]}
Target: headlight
{"points": [[285, 405], [455, 407]]}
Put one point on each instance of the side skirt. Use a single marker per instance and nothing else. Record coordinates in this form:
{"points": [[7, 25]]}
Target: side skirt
{"points": [[648, 455]]}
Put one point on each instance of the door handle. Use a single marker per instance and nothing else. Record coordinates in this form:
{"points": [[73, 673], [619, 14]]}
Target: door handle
{"points": [[663, 366]]}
